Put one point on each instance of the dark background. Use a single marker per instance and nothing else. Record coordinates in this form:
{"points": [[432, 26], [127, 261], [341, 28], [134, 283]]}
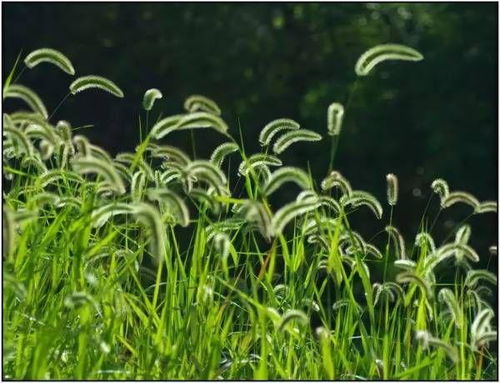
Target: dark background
{"points": [[259, 62]]}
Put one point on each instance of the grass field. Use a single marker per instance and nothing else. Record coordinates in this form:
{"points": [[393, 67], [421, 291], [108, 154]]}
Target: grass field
{"points": [[157, 265]]}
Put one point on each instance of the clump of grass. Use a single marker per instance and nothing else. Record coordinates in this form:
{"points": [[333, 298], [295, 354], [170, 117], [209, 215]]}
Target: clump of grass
{"points": [[146, 265]]}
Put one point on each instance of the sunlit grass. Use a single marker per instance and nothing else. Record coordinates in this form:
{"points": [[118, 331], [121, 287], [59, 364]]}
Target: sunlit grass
{"points": [[153, 265]]}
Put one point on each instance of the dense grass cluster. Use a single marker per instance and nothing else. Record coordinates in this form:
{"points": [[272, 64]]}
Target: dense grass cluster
{"points": [[150, 265]]}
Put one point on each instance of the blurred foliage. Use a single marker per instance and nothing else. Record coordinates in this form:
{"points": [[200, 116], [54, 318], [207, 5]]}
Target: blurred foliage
{"points": [[435, 118]]}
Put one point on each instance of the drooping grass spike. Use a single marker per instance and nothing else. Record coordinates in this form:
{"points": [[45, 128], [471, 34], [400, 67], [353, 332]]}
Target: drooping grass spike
{"points": [[335, 118], [383, 52], [93, 165], [460, 197], [424, 285], [274, 127], [254, 212], [286, 174], [256, 160], [165, 126], [50, 56], [428, 340], [203, 120], [473, 276], [447, 296], [441, 188], [425, 239], [95, 82], [149, 216], [291, 210], [28, 96], [335, 179], [150, 96], [169, 153], [486, 207], [222, 151], [392, 189], [361, 198], [198, 103], [174, 201], [293, 315], [480, 326], [398, 241], [293, 136]]}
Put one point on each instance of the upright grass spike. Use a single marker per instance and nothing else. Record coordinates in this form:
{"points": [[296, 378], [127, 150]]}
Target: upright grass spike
{"points": [[335, 118], [291, 210], [95, 82], [335, 179], [150, 96], [293, 315], [473, 276], [149, 216], [257, 160], [460, 197], [447, 296], [174, 202], [383, 52], [196, 103], [361, 198], [50, 56], [392, 189], [169, 153], [493, 250], [486, 207], [107, 171], [28, 96], [274, 127], [425, 239], [293, 136], [286, 174], [222, 151]]}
